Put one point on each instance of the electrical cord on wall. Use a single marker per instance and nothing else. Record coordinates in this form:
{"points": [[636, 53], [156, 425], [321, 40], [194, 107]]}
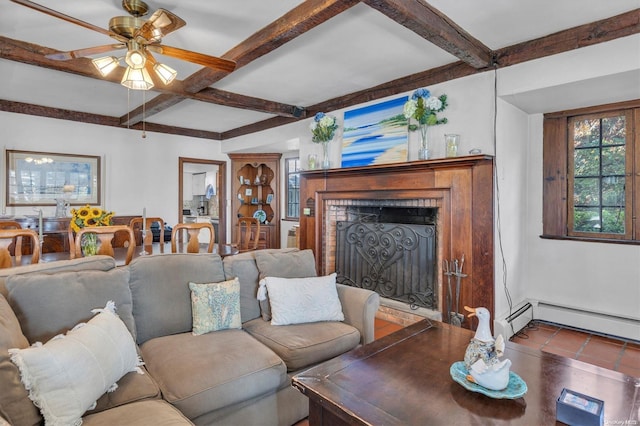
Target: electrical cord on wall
{"points": [[497, 186]]}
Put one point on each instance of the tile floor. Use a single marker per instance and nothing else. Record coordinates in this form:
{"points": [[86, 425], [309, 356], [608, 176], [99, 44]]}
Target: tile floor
{"points": [[609, 352]]}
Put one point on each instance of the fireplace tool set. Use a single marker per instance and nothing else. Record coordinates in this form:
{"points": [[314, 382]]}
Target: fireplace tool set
{"points": [[454, 268]]}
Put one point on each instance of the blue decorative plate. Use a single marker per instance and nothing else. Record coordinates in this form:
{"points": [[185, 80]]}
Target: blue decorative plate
{"points": [[260, 215], [515, 389]]}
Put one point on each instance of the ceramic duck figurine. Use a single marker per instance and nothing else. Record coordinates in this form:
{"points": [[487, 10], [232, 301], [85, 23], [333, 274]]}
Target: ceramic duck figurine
{"points": [[482, 355]]}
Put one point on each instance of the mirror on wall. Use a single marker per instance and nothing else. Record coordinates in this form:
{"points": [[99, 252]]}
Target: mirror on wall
{"points": [[201, 196]]}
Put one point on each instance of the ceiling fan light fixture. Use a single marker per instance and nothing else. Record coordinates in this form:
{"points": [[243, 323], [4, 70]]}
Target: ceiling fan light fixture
{"points": [[135, 59], [105, 65], [165, 73], [137, 79]]}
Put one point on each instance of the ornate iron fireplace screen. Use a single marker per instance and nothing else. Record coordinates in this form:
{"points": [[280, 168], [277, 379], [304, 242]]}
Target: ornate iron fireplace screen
{"points": [[393, 259]]}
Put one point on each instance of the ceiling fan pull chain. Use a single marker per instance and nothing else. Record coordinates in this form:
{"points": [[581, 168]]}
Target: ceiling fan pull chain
{"points": [[144, 112]]}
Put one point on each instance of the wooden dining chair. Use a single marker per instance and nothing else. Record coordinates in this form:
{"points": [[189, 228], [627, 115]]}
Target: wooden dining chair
{"points": [[17, 248], [136, 223], [248, 234], [8, 236], [105, 235], [193, 230]]}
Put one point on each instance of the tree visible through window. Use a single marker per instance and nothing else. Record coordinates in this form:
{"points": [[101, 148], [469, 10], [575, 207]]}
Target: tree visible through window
{"points": [[591, 167], [599, 174], [293, 188]]}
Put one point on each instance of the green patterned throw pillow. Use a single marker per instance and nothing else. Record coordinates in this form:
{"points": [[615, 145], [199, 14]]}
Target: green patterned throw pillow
{"points": [[215, 306]]}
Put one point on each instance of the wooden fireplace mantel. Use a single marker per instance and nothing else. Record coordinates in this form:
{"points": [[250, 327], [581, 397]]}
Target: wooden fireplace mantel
{"points": [[463, 190]]}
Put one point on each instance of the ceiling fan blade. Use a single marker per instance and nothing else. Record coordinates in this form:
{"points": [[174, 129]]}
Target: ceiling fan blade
{"points": [[68, 18], [197, 58], [161, 23], [80, 53]]}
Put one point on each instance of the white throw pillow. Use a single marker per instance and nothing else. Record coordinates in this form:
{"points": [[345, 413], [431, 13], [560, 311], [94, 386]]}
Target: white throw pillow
{"points": [[66, 375], [300, 300]]}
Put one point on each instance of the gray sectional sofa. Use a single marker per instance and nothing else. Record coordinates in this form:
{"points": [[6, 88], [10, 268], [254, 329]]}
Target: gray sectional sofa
{"points": [[237, 376]]}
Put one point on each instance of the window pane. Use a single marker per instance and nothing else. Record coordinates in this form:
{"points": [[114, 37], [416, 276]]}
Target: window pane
{"points": [[586, 192], [586, 219], [613, 160], [587, 162], [613, 130], [613, 191], [586, 133], [613, 220], [293, 187]]}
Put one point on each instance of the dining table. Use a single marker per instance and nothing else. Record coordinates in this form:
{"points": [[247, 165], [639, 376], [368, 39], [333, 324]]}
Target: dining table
{"points": [[120, 253]]}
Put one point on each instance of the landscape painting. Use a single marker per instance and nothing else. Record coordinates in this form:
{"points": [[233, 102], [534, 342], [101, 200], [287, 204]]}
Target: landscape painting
{"points": [[375, 134]]}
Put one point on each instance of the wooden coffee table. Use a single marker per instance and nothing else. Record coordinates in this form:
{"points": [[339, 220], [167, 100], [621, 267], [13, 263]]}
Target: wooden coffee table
{"points": [[404, 379]]}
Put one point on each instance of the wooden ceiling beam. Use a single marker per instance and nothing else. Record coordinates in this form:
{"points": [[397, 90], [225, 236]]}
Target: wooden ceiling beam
{"points": [[574, 38], [274, 35], [102, 120], [297, 21], [394, 87], [33, 54], [622, 25], [435, 27]]}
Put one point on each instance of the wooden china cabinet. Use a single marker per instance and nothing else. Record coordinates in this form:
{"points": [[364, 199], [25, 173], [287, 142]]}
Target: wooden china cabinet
{"points": [[256, 193]]}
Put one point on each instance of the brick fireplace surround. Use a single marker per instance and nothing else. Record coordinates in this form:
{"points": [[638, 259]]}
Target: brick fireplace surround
{"points": [[460, 188]]}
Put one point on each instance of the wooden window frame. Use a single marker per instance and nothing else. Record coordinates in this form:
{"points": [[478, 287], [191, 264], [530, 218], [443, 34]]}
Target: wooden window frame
{"points": [[286, 188], [557, 179]]}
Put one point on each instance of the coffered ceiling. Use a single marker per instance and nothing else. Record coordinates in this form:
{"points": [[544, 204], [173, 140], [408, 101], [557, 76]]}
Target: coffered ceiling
{"points": [[294, 58]]}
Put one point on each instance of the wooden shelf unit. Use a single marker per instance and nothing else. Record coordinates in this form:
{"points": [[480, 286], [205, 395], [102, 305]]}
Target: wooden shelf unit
{"points": [[258, 190]]}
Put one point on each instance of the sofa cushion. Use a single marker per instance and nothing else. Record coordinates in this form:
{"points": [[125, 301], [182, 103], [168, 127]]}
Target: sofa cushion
{"points": [[199, 374], [132, 387], [66, 376], [143, 413], [99, 263], [51, 304], [283, 264], [160, 290], [15, 404], [302, 345], [215, 306], [243, 266], [300, 300]]}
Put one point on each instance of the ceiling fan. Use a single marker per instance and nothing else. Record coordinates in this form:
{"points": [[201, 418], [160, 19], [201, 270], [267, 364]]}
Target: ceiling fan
{"points": [[140, 38]]}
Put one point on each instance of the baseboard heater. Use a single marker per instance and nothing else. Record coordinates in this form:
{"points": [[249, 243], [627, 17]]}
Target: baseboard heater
{"points": [[521, 310], [603, 315]]}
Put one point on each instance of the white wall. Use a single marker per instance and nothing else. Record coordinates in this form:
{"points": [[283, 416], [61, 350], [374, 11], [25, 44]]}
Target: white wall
{"points": [[594, 277], [510, 211], [137, 172], [595, 286]]}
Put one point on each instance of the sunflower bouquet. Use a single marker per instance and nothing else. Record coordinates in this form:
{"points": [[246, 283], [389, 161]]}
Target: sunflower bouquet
{"points": [[88, 216]]}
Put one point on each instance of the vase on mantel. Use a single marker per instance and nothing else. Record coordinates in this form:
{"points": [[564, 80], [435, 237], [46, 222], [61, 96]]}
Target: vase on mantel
{"points": [[326, 163], [423, 151]]}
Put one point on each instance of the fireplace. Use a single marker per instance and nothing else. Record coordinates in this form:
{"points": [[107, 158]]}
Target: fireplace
{"points": [[390, 250], [446, 204]]}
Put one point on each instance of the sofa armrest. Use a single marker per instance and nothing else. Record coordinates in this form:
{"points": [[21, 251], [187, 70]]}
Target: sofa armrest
{"points": [[359, 307]]}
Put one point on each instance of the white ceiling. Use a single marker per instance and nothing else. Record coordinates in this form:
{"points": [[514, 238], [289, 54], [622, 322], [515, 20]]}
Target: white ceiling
{"points": [[355, 50]]}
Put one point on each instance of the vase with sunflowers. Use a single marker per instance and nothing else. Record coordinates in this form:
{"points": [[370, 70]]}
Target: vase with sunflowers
{"points": [[424, 108], [88, 216], [323, 127]]}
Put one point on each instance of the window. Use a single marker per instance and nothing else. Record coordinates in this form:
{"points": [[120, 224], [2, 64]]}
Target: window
{"points": [[292, 167], [591, 172]]}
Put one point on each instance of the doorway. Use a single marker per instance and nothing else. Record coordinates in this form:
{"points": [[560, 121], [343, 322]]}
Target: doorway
{"points": [[202, 192]]}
